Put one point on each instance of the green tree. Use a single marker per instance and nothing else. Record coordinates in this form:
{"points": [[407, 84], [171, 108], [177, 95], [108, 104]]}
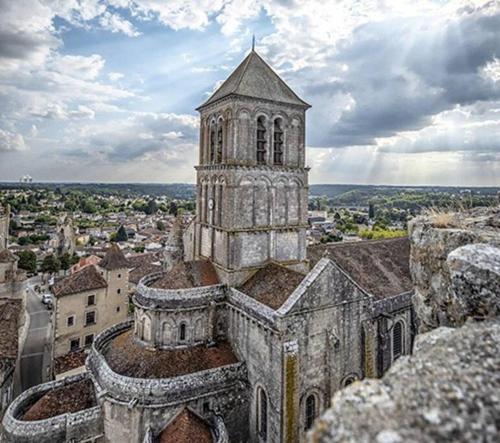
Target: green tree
{"points": [[121, 234], [27, 261], [172, 210], [160, 225], [51, 264], [151, 207], [65, 261]]}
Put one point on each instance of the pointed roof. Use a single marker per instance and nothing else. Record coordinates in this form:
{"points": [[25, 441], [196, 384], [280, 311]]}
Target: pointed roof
{"points": [[186, 427], [87, 279], [255, 78], [114, 259]]}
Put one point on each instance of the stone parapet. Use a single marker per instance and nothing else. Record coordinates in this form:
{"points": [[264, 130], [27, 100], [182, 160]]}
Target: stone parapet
{"points": [[153, 298], [81, 425], [252, 307], [156, 392]]}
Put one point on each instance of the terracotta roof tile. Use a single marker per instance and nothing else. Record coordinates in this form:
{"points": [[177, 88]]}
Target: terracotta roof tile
{"points": [[10, 311], [272, 285], [187, 427], [71, 398], [126, 357], [114, 259], [69, 361], [380, 267], [186, 275], [139, 272], [7, 256], [87, 279]]}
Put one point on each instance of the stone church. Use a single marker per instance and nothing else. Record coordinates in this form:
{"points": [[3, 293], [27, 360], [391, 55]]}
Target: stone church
{"points": [[246, 333]]}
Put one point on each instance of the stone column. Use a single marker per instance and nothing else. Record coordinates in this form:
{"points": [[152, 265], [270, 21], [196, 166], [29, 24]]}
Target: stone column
{"points": [[291, 416]]}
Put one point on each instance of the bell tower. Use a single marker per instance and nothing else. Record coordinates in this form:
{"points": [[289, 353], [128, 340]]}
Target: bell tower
{"points": [[252, 183]]}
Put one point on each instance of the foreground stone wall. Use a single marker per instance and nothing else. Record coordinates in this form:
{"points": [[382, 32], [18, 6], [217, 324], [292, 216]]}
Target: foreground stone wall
{"points": [[448, 389]]}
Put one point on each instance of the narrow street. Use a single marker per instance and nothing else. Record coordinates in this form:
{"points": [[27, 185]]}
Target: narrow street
{"points": [[36, 349]]}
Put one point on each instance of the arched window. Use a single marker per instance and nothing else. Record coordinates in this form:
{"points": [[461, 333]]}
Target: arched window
{"points": [[262, 414], [310, 411], [397, 340], [349, 380], [182, 332], [218, 156], [278, 142], [212, 144], [261, 141]]}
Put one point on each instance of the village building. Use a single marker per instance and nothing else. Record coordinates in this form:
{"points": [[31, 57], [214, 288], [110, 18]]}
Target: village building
{"points": [[12, 315], [244, 334], [87, 302]]}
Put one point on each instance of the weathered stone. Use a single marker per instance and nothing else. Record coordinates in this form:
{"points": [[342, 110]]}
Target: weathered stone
{"points": [[449, 390], [433, 237], [475, 281]]}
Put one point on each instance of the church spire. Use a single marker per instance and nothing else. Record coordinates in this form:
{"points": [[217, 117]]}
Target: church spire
{"points": [[253, 42]]}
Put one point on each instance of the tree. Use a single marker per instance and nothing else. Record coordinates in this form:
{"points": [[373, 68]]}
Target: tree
{"points": [[27, 261], [160, 225], [121, 234], [151, 207], [172, 210], [51, 264], [65, 261], [371, 211]]}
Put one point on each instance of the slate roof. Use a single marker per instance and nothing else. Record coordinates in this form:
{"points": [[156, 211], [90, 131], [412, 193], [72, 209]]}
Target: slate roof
{"points": [[255, 78], [114, 259], [142, 265], [187, 275], [380, 267], [71, 398], [10, 310], [87, 279], [187, 427], [130, 359], [272, 285]]}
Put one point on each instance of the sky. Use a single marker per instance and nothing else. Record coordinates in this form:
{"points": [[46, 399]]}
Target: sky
{"points": [[403, 92]]}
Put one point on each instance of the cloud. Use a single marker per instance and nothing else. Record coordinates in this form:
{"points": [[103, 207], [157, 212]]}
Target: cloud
{"points": [[116, 24], [10, 141]]}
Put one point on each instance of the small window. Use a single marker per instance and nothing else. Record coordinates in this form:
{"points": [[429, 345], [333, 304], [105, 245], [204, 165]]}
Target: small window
{"points": [[349, 381], [118, 309], [218, 158], [182, 332], [118, 291], [70, 321], [310, 411], [90, 318], [262, 414], [212, 145], [278, 143], [206, 407], [119, 276], [397, 340], [89, 340], [74, 344], [91, 300], [261, 141]]}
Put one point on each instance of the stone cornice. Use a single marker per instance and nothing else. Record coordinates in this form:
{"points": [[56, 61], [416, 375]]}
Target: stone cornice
{"points": [[258, 168]]}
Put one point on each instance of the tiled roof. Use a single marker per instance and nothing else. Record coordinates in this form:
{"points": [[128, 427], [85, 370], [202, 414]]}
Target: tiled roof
{"points": [[114, 259], [126, 357], [71, 398], [187, 427], [10, 311], [7, 256], [186, 275], [380, 267], [134, 261], [255, 78], [272, 285], [139, 272], [69, 361], [87, 279]]}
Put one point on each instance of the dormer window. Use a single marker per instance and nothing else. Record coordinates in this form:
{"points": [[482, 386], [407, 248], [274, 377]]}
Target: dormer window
{"points": [[261, 141], [278, 142]]}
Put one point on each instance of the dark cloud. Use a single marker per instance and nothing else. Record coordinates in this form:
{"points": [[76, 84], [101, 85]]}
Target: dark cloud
{"points": [[399, 74]]}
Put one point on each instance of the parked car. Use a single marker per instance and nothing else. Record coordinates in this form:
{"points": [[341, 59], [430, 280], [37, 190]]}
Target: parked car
{"points": [[47, 299]]}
